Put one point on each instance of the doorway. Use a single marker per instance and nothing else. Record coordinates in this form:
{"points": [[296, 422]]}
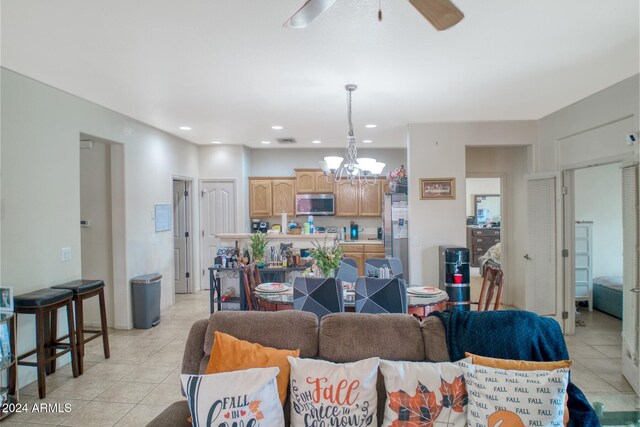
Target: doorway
{"points": [[182, 258], [217, 215]]}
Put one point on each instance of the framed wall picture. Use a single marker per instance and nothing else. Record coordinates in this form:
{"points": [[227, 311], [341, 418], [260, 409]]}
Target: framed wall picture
{"points": [[6, 299], [437, 188]]}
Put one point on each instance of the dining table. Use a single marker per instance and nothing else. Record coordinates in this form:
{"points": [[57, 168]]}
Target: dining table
{"points": [[418, 305]]}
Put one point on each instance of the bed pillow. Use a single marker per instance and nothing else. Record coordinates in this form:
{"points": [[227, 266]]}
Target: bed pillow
{"points": [[425, 394], [248, 397], [231, 354], [326, 393], [499, 397]]}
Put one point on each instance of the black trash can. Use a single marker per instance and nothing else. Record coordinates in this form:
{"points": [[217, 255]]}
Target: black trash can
{"points": [[146, 300]]}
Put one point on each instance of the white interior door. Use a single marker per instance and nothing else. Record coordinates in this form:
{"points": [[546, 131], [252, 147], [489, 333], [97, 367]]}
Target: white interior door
{"points": [[180, 238], [631, 286], [218, 215], [544, 280]]}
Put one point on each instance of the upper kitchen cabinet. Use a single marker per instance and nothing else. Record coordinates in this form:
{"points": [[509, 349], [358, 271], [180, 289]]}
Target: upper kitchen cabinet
{"points": [[260, 200], [371, 199], [312, 181], [347, 198], [284, 194]]}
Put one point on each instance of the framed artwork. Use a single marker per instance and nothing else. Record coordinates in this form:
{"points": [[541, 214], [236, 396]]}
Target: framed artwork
{"points": [[437, 188], [6, 299]]}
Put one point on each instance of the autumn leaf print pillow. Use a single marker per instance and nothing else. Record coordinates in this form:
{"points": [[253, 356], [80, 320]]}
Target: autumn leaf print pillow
{"points": [[239, 398], [424, 394], [333, 394]]}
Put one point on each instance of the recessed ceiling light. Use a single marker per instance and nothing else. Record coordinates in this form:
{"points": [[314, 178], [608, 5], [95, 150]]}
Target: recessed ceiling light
{"points": [[277, 127], [367, 141], [185, 128], [216, 142], [317, 141], [371, 126], [266, 142]]}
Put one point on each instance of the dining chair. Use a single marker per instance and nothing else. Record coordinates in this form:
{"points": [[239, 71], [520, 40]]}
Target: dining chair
{"points": [[491, 286], [372, 267], [251, 279], [381, 295], [348, 270], [319, 296]]}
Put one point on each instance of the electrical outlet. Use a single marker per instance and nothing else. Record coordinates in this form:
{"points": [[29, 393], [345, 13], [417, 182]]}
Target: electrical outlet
{"points": [[65, 254]]}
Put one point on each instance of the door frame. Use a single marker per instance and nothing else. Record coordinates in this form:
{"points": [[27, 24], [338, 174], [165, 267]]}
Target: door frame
{"points": [[192, 240], [504, 226], [201, 249]]}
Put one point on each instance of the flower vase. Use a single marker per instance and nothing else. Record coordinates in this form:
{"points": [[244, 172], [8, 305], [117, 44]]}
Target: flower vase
{"points": [[329, 273]]}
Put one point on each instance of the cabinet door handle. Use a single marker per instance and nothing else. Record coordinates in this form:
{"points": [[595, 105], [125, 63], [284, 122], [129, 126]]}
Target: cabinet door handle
{"points": [[636, 290]]}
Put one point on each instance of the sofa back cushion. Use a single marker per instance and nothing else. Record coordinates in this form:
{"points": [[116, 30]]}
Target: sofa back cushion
{"points": [[283, 330], [435, 341], [349, 337]]}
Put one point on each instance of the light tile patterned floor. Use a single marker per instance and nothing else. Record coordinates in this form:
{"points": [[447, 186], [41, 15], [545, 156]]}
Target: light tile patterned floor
{"points": [[142, 376]]}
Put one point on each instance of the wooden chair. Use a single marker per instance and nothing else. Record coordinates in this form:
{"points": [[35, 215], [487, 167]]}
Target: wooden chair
{"points": [[251, 279], [491, 285]]}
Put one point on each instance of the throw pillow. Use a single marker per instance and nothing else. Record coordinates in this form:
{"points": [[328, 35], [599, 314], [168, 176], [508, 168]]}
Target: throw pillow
{"points": [[514, 398], [231, 354], [424, 394], [234, 398], [325, 393], [523, 365]]}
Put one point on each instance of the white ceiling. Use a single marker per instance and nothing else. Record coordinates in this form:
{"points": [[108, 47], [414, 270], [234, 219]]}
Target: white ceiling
{"points": [[230, 70]]}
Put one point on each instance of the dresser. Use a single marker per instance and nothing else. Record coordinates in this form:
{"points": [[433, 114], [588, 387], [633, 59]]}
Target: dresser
{"points": [[584, 262], [479, 240]]}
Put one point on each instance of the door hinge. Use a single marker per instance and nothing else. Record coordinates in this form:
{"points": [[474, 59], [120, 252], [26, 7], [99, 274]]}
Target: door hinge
{"points": [[202, 193], [186, 234], [565, 190], [565, 314], [187, 275], [186, 194], [565, 253], [202, 233], [203, 273]]}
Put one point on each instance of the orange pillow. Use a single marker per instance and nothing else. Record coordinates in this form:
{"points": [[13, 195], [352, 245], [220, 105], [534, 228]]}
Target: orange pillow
{"points": [[231, 354], [523, 365]]}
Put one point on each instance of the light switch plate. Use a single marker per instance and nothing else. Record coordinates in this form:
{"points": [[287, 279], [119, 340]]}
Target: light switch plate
{"points": [[65, 254]]}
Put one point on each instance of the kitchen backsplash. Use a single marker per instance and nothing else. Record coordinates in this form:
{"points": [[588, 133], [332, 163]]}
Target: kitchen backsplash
{"points": [[368, 227]]}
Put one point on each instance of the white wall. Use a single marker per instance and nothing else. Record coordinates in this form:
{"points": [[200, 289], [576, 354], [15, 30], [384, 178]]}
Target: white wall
{"points": [[598, 198], [41, 127], [479, 186], [438, 150], [283, 161]]}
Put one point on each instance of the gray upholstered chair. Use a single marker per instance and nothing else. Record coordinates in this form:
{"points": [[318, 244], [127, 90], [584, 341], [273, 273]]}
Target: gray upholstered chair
{"points": [[348, 270], [373, 265], [318, 296], [381, 295]]}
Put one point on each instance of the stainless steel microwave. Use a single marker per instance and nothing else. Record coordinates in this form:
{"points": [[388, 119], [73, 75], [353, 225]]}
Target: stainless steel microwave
{"points": [[315, 204]]}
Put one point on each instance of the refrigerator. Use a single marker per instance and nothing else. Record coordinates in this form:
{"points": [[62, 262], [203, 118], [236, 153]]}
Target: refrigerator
{"points": [[396, 229]]}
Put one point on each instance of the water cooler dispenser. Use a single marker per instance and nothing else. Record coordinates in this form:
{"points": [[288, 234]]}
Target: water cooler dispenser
{"points": [[456, 278]]}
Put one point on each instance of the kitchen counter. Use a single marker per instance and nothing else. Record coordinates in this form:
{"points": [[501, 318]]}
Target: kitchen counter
{"points": [[361, 242], [240, 236]]}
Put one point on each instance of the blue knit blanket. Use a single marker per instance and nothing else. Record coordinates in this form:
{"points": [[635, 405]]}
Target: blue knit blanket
{"points": [[519, 335]]}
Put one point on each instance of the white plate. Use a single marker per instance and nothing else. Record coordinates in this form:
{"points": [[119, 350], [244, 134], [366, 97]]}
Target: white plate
{"points": [[272, 287], [423, 290]]}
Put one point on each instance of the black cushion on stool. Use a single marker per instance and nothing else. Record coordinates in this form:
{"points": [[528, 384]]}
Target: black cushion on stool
{"points": [[81, 286], [41, 298]]}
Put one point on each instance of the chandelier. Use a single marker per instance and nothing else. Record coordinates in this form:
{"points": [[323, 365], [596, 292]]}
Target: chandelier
{"points": [[364, 169]]}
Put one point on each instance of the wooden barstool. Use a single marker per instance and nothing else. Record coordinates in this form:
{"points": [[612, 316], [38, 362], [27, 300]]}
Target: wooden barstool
{"points": [[82, 290], [42, 303]]}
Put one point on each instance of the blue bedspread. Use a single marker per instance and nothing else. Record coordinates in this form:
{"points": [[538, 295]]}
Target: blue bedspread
{"points": [[517, 335]]}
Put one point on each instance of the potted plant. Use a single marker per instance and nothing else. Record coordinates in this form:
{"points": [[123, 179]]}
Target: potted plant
{"points": [[327, 257], [258, 246]]}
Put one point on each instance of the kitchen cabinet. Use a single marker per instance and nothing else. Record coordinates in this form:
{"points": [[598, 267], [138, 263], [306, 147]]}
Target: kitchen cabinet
{"points": [[347, 199], [371, 199], [361, 253], [260, 199], [284, 195], [313, 181]]}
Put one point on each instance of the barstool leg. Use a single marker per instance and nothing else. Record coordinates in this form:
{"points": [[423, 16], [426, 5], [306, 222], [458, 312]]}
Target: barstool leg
{"points": [[103, 322], [40, 353], [72, 342], [79, 332], [53, 337]]}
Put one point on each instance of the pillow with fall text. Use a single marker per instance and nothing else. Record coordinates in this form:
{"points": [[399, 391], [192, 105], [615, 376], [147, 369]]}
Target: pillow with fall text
{"points": [[424, 394], [333, 394]]}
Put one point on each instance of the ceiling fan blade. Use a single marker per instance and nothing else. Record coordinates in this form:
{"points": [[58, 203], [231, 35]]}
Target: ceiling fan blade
{"points": [[308, 13], [441, 13]]}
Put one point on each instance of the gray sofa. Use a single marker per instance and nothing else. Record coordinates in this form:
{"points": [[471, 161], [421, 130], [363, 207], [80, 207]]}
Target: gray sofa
{"points": [[340, 337]]}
